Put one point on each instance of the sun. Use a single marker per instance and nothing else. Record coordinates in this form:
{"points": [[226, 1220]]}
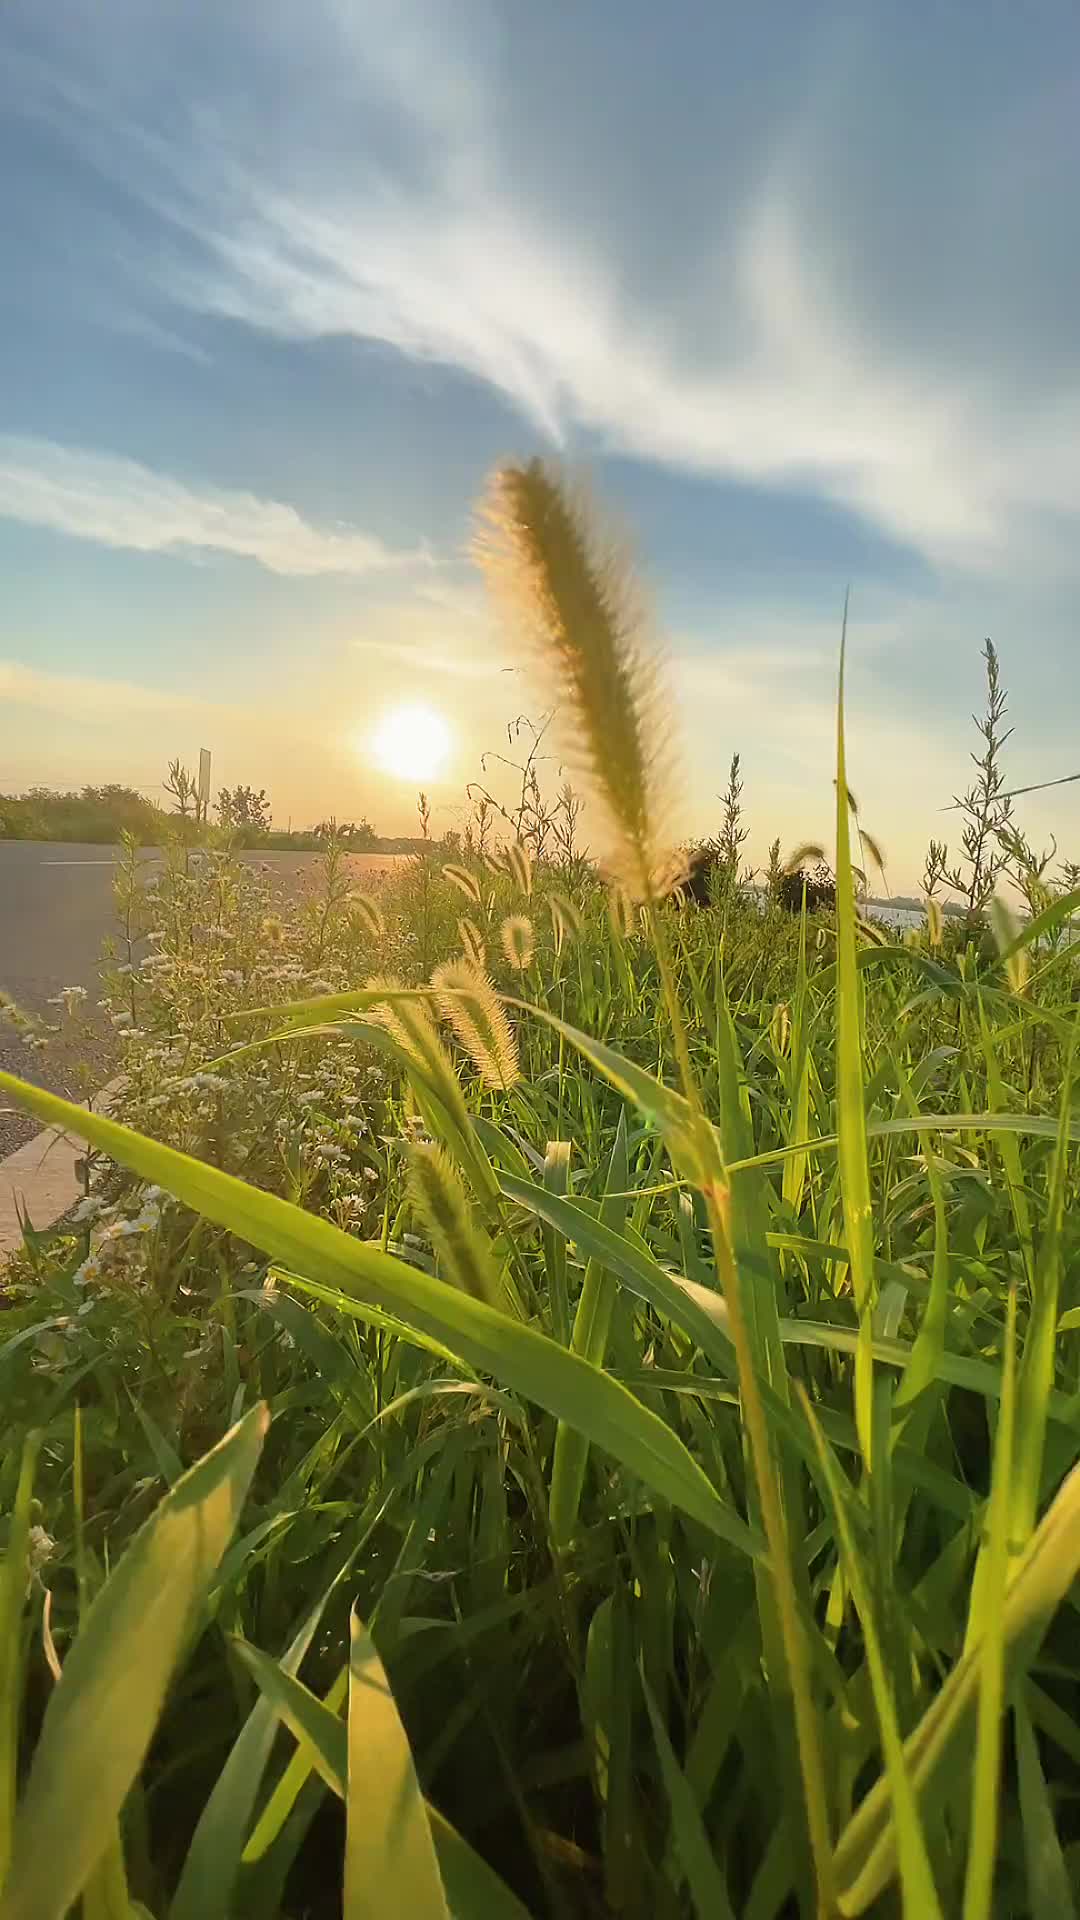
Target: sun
{"points": [[411, 743]]}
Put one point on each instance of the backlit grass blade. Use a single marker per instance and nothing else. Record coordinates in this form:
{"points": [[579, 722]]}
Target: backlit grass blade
{"points": [[850, 1103], [387, 1837], [592, 1323], [983, 1834], [350, 1273], [205, 1889], [103, 1711], [473, 1890], [866, 1853], [920, 1895]]}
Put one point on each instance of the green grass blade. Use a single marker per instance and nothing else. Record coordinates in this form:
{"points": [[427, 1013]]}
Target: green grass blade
{"points": [[212, 1863], [983, 1837], [920, 1894], [349, 1273], [708, 1889], [102, 1714], [1049, 1891], [592, 1325], [474, 1891], [387, 1837], [12, 1603], [850, 1099], [866, 1852]]}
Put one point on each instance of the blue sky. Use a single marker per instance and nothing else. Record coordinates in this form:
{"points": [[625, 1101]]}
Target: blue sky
{"points": [[797, 284]]}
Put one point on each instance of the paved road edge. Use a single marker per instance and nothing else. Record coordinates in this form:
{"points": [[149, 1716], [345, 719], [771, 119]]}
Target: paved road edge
{"points": [[40, 1180]]}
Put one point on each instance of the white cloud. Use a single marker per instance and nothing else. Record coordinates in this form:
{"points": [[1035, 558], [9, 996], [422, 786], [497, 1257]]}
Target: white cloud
{"points": [[119, 503], [771, 368]]}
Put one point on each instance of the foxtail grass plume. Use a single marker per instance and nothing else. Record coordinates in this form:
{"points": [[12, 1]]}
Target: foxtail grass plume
{"points": [[802, 855], [408, 1017], [495, 860], [516, 934], [469, 1001], [1006, 929], [935, 921], [543, 552], [566, 921], [472, 942], [367, 914], [464, 881], [519, 867], [440, 1201], [620, 910]]}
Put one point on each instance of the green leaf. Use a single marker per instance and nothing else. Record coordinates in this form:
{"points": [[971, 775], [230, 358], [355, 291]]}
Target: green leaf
{"points": [[102, 1714], [474, 1891], [592, 1324], [351, 1275], [387, 1837], [205, 1889]]}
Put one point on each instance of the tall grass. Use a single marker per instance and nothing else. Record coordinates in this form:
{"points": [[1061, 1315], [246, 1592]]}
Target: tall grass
{"points": [[598, 1438]]}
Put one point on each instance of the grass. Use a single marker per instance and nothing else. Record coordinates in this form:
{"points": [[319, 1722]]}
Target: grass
{"points": [[605, 1448]]}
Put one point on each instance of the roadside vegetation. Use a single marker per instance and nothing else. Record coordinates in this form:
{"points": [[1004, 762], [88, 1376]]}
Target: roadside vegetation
{"points": [[560, 1399]]}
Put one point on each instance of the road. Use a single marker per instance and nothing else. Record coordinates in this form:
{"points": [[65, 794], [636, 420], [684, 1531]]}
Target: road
{"points": [[56, 910]]}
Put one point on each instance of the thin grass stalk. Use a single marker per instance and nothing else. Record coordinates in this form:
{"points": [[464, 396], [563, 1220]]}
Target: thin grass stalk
{"points": [[717, 1200], [851, 1110]]}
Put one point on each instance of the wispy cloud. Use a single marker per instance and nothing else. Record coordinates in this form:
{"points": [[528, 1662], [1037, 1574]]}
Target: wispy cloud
{"points": [[120, 503], [75, 695]]}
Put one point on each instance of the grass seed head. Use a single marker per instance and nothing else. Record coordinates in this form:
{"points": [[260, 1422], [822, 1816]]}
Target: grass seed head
{"points": [[472, 942], [464, 881], [516, 934], [519, 867], [572, 588], [366, 913], [440, 1201], [470, 1003]]}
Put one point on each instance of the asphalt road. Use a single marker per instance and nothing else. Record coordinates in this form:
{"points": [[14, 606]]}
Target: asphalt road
{"points": [[56, 911]]}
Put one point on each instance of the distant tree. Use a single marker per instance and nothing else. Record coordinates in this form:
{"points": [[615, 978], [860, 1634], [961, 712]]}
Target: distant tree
{"points": [[359, 836], [817, 884], [242, 810]]}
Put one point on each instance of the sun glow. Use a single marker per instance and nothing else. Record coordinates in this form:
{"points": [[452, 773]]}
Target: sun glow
{"points": [[411, 743]]}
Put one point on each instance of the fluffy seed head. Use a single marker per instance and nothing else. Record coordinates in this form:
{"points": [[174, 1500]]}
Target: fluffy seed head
{"points": [[464, 881], [575, 594], [935, 922], [441, 1204], [566, 922], [495, 860], [802, 855], [472, 942], [469, 1001], [367, 914], [519, 867], [516, 934]]}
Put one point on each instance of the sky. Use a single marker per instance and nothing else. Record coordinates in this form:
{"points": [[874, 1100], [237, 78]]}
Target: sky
{"points": [[795, 285]]}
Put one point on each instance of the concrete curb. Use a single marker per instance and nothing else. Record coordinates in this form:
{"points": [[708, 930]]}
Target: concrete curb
{"points": [[39, 1179]]}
